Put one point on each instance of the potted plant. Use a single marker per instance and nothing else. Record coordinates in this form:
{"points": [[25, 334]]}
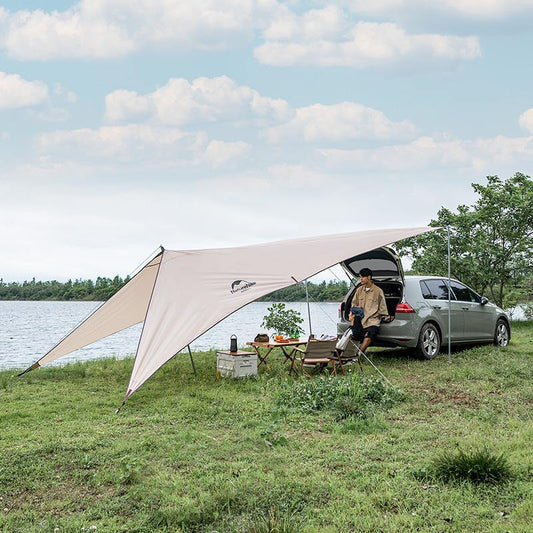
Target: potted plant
{"points": [[283, 321]]}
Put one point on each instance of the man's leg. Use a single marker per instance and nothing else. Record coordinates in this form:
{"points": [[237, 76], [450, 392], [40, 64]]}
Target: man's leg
{"points": [[367, 341], [368, 336]]}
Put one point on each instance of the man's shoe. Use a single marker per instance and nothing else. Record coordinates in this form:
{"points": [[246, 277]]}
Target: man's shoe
{"points": [[350, 362]]}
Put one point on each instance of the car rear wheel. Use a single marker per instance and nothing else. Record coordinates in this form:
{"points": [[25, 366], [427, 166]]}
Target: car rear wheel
{"points": [[428, 342], [501, 334]]}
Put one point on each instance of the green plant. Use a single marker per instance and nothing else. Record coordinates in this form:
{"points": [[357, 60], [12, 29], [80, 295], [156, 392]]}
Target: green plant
{"points": [[273, 436], [477, 466], [282, 320], [272, 522]]}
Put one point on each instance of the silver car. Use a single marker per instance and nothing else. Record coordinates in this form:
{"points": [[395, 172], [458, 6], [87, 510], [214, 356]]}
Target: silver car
{"points": [[419, 307]]}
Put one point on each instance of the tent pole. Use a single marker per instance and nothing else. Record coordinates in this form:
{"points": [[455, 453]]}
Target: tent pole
{"points": [[449, 302], [192, 360], [308, 310]]}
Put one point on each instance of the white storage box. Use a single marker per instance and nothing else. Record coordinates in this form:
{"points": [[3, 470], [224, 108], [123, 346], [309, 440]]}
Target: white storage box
{"points": [[236, 364]]}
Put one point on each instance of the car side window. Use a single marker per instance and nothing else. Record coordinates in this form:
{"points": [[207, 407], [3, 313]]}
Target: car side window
{"points": [[438, 289], [463, 293]]}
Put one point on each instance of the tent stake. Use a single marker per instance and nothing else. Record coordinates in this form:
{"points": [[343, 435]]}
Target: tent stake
{"points": [[32, 367], [192, 360]]}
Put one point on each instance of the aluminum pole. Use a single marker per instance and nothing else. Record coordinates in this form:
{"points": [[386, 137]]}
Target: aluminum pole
{"points": [[308, 310], [192, 360], [449, 302]]}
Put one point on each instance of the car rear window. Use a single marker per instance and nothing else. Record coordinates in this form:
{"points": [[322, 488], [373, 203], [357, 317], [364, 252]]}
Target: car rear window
{"points": [[426, 293]]}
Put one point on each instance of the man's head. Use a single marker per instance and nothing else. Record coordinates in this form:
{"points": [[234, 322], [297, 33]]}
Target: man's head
{"points": [[365, 276]]}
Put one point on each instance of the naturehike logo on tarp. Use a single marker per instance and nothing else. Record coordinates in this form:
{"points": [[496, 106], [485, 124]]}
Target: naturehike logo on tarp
{"points": [[240, 285]]}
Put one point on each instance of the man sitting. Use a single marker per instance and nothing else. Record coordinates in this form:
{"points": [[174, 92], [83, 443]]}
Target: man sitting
{"points": [[370, 298]]}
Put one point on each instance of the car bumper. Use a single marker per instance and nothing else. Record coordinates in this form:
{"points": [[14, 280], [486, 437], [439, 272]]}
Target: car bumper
{"points": [[400, 332]]}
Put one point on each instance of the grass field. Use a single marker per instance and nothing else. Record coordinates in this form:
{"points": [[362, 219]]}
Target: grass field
{"points": [[271, 453]]}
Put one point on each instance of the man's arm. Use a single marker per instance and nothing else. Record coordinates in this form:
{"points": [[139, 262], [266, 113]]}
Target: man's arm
{"points": [[355, 299], [382, 305]]}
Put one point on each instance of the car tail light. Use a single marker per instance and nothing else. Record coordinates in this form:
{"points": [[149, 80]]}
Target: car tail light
{"points": [[404, 308]]}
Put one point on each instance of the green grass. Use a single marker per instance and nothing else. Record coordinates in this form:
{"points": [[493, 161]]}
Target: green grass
{"points": [[272, 453]]}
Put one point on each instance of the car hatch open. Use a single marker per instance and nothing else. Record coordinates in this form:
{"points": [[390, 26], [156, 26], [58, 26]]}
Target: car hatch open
{"points": [[384, 263]]}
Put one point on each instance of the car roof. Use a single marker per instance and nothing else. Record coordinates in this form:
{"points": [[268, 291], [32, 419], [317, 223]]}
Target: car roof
{"points": [[421, 278]]}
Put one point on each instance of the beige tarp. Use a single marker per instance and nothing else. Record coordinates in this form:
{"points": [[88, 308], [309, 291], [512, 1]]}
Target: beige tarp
{"points": [[182, 294]]}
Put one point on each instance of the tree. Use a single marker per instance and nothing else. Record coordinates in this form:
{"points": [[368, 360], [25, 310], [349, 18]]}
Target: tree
{"points": [[491, 241]]}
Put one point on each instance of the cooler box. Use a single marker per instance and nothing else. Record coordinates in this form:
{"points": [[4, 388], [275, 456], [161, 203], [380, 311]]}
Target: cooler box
{"points": [[236, 364]]}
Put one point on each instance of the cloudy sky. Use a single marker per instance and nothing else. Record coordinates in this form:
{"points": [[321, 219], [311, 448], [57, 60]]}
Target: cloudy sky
{"points": [[125, 124]]}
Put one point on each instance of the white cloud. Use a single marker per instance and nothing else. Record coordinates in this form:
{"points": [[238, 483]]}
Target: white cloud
{"points": [[151, 146], [181, 102], [429, 154], [314, 24], [365, 44], [481, 9], [344, 121], [526, 120], [327, 36], [129, 143], [113, 28], [219, 153], [16, 92], [70, 96], [75, 33]]}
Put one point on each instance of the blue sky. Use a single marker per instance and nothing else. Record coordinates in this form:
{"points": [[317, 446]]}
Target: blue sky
{"points": [[128, 124]]}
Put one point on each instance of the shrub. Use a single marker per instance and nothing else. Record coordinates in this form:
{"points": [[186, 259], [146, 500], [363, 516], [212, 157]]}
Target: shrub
{"points": [[353, 395], [477, 466]]}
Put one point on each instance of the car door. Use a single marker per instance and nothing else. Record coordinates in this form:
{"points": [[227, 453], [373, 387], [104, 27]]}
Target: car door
{"points": [[478, 319], [436, 293]]}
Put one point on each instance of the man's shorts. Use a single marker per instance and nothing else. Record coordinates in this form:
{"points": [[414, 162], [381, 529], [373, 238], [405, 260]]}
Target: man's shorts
{"points": [[370, 332]]}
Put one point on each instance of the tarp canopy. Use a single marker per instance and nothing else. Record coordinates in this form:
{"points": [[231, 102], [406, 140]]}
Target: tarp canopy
{"points": [[180, 294]]}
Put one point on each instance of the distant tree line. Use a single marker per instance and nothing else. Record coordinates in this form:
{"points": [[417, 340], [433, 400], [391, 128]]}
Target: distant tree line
{"points": [[103, 288], [80, 290], [332, 291]]}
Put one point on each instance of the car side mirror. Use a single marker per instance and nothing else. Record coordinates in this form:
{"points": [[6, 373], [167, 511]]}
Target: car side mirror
{"points": [[483, 301]]}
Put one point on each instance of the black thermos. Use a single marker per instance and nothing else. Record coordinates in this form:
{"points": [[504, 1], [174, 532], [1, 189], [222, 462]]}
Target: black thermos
{"points": [[233, 343]]}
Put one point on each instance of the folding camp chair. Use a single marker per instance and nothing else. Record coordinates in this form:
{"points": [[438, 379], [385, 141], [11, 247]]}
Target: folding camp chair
{"points": [[317, 353], [348, 356], [347, 351]]}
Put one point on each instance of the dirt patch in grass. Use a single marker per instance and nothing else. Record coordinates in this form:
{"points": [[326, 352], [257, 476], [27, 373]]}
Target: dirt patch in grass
{"points": [[74, 498], [433, 393], [457, 397]]}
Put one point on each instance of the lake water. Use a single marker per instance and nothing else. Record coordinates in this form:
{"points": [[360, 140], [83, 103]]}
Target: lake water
{"points": [[30, 329]]}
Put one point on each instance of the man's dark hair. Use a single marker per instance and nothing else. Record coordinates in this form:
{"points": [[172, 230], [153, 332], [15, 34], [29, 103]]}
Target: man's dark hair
{"points": [[365, 272]]}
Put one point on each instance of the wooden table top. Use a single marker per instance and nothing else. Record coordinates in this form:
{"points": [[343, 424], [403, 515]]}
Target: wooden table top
{"points": [[276, 344]]}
